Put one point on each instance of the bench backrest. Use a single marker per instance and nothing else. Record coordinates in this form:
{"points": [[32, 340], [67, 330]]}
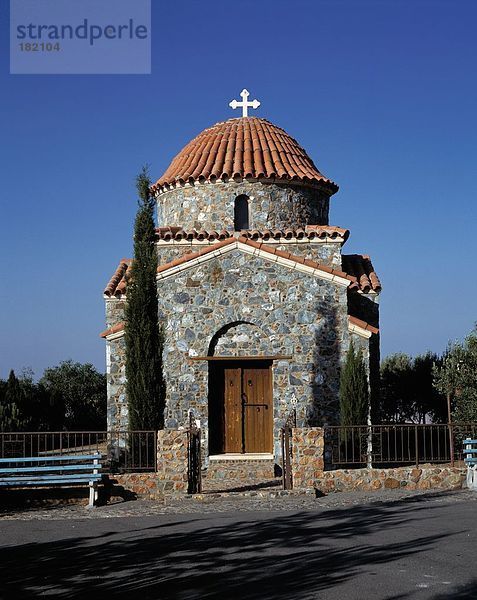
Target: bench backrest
{"points": [[74, 467], [470, 452], [52, 459]]}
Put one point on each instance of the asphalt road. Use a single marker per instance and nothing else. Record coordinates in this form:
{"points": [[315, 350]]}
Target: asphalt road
{"points": [[416, 548]]}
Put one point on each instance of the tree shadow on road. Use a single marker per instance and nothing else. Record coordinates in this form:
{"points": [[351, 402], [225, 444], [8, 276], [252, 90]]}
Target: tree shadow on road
{"points": [[272, 555], [465, 592]]}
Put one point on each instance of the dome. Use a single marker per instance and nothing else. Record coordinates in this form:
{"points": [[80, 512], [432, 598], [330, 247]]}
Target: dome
{"points": [[247, 148]]}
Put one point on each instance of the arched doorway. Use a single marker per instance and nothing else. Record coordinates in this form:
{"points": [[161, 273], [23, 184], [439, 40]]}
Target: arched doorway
{"points": [[240, 392]]}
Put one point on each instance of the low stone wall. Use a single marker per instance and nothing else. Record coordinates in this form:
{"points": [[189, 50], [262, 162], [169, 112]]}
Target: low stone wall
{"points": [[307, 456], [308, 471], [172, 460], [143, 485], [171, 474], [426, 477]]}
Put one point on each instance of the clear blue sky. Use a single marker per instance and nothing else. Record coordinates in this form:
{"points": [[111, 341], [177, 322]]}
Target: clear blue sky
{"points": [[382, 94]]}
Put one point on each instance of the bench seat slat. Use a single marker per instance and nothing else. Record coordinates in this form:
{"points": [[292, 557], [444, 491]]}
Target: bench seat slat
{"points": [[41, 477], [29, 480], [52, 476], [47, 482], [52, 468], [46, 478], [56, 458]]}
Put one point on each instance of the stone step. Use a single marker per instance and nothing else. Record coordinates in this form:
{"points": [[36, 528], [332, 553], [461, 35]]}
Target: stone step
{"points": [[276, 492], [240, 485]]}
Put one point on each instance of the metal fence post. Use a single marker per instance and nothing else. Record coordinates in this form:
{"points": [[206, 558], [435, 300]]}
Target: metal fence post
{"points": [[416, 441], [286, 451], [451, 443], [287, 479]]}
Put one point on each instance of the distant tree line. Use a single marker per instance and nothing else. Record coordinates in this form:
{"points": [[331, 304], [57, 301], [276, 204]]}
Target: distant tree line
{"points": [[415, 390], [457, 377], [407, 391], [68, 397]]}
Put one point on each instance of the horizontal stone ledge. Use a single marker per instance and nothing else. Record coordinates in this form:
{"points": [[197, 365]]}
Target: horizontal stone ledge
{"points": [[241, 457]]}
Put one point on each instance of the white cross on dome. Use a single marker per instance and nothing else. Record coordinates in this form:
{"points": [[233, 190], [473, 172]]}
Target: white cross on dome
{"points": [[244, 104]]}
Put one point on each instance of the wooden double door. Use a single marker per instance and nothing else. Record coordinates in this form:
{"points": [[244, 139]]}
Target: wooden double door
{"points": [[241, 407]]}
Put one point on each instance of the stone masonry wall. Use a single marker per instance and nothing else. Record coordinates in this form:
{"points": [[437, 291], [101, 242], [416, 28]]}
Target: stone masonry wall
{"points": [[426, 477], [144, 485], [172, 460], [117, 407], [324, 253], [361, 343], [327, 254], [235, 474], [211, 206], [307, 456], [114, 311], [245, 305], [305, 320]]}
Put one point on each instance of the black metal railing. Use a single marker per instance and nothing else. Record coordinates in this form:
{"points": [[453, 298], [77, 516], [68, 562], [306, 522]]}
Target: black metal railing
{"points": [[194, 458], [132, 451], [392, 445], [123, 451], [286, 443]]}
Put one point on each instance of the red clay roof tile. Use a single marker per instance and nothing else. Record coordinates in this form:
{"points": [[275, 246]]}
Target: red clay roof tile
{"points": [[361, 267], [114, 329], [309, 232], [247, 147], [118, 281], [362, 324]]}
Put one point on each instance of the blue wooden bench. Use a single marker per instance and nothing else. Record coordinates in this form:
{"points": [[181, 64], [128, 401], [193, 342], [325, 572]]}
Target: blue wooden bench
{"points": [[62, 469], [470, 453]]}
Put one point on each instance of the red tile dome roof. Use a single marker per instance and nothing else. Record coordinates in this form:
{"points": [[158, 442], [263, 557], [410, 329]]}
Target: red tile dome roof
{"points": [[245, 148]]}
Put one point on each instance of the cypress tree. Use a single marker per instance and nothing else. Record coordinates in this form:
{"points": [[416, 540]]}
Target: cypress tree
{"points": [[354, 393], [144, 386], [11, 405]]}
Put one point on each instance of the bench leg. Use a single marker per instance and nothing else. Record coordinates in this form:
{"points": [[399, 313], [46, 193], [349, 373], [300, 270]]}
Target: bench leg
{"points": [[93, 494], [472, 478]]}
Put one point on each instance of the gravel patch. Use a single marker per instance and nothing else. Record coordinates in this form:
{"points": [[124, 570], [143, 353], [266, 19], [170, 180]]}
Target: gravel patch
{"points": [[228, 503]]}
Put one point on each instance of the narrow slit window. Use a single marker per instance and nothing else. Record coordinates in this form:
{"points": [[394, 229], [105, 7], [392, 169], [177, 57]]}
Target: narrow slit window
{"points": [[241, 213]]}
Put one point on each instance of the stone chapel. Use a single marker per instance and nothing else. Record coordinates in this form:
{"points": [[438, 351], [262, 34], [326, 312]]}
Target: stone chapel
{"points": [[258, 301]]}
